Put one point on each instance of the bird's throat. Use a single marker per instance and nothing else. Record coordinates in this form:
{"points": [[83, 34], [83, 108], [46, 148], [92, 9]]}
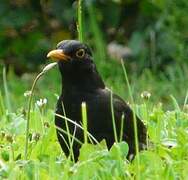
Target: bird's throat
{"points": [[82, 81]]}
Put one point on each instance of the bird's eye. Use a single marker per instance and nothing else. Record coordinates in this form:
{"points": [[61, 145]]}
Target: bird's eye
{"points": [[80, 53]]}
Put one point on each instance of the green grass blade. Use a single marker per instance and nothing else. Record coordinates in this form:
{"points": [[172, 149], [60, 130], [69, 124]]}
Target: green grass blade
{"points": [[45, 69], [113, 117], [96, 32], [7, 95], [68, 133], [186, 99], [84, 120], [28, 114], [175, 103], [134, 119], [80, 22], [122, 127], [79, 126], [2, 106]]}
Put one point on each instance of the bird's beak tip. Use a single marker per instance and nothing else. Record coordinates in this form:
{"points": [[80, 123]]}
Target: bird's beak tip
{"points": [[53, 53], [57, 54], [48, 55]]}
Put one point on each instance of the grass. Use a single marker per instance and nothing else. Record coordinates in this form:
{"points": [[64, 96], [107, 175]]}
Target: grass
{"points": [[167, 127], [165, 113], [84, 120], [46, 68], [134, 120]]}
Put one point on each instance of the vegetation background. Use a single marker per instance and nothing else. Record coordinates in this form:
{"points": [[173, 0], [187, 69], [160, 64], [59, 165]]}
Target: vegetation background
{"points": [[155, 32]]}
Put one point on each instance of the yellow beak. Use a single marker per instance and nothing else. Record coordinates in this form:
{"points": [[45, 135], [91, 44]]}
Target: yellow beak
{"points": [[58, 55]]}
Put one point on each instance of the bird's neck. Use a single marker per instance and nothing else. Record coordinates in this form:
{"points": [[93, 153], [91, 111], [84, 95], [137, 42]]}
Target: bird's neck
{"points": [[84, 80]]}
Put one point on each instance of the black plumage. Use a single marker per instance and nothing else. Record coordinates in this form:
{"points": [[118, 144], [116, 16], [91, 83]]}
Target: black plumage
{"points": [[81, 82]]}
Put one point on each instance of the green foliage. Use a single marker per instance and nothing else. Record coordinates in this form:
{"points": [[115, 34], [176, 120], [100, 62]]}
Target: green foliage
{"points": [[167, 148], [167, 130], [156, 31], [28, 30], [161, 37]]}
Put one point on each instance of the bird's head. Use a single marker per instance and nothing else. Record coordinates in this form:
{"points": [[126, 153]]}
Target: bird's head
{"points": [[69, 52], [75, 61]]}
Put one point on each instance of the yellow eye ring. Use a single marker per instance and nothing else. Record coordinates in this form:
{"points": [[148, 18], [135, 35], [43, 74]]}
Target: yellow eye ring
{"points": [[80, 53]]}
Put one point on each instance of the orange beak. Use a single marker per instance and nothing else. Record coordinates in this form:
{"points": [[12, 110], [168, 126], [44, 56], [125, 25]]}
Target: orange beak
{"points": [[58, 55]]}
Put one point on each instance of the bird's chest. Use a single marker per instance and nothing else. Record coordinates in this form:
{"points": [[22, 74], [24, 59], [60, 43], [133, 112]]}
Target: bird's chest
{"points": [[98, 108]]}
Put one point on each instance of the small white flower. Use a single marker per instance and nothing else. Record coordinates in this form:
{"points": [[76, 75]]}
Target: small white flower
{"points": [[27, 93], [44, 101], [41, 102], [145, 95]]}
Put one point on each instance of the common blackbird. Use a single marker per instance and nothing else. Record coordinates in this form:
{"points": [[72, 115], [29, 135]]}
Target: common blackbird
{"points": [[81, 82]]}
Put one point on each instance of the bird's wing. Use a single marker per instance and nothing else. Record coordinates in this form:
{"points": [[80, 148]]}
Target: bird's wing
{"points": [[122, 108]]}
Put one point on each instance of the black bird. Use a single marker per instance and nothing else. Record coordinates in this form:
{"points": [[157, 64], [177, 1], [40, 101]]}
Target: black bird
{"points": [[81, 82]]}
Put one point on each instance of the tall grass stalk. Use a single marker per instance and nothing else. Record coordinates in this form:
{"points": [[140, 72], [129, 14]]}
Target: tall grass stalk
{"points": [[134, 119], [2, 106], [147, 121], [12, 151], [68, 134], [80, 22], [46, 68], [65, 132], [113, 117], [41, 118], [122, 127], [153, 49], [186, 99], [7, 95], [96, 32], [84, 121], [175, 103], [79, 126], [28, 114]]}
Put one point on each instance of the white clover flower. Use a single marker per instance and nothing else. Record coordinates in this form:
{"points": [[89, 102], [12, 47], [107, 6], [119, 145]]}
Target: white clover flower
{"points": [[145, 95], [44, 101], [41, 102], [27, 93]]}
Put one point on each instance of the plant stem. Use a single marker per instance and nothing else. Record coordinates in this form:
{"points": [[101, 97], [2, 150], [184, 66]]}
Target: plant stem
{"points": [[12, 151], [28, 114], [147, 121], [42, 120], [84, 121], [80, 25], [79, 126], [186, 99], [7, 96], [45, 69], [122, 127], [68, 133], [2, 106], [113, 118], [134, 119]]}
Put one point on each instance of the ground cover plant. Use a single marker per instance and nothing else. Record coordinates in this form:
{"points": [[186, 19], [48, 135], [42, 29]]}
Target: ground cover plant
{"points": [[159, 99], [165, 158]]}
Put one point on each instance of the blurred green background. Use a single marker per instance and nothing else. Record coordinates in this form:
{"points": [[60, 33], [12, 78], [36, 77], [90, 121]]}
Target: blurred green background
{"points": [[150, 35]]}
